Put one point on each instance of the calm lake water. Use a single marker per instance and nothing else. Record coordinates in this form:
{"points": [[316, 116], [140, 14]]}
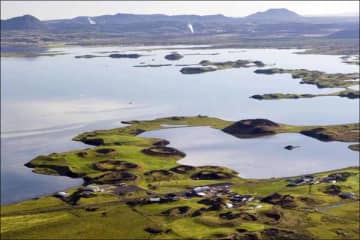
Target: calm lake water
{"points": [[263, 157], [45, 101]]}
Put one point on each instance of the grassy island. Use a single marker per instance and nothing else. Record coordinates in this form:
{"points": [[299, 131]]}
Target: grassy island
{"points": [[347, 93], [209, 66], [134, 189], [318, 78], [173, 56]]}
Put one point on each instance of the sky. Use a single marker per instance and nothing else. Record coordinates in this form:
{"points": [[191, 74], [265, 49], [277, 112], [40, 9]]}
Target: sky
{"points": [[46, 10]]}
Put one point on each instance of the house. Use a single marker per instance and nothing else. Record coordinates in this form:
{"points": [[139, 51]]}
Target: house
{"points": [[93, 188], [201, 189], [201, 194], [229, 205], [155, 199], [62, 194], [303, 180], [241, 199]]}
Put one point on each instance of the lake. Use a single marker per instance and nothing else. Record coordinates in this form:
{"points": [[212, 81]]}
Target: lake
{"points": [[45, 101], [263, 157]]}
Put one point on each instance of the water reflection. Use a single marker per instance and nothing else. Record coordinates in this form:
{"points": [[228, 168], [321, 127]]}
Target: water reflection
{"points": [[258, 157]]}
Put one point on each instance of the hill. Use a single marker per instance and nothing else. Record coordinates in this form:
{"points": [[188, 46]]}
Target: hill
{"points": [[26, 22], [275, 14]]}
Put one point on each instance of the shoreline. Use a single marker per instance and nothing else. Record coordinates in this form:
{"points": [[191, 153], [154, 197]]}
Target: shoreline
{"points": [[216, 124]]}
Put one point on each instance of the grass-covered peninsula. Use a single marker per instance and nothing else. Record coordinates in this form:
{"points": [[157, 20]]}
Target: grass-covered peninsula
{"points": [[347, 93], [318, 78], [134, 189]]}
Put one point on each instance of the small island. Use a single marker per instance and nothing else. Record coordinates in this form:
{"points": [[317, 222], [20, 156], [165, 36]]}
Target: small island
{"points": [[129, 55], [153, 65], [347, 93], [209, 66], [173, 56], [318, 78], [351, 59]]}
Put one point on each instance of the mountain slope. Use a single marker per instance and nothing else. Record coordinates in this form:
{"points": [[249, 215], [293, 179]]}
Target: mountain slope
{"points": [[26, 22], [275, 14]]}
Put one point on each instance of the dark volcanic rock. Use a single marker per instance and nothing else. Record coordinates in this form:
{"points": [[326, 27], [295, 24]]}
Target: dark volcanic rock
{"points": [[61, 170], [93, 141], [159, 173], [279, 234], [350, 94], [177, 211], [273, 214], [251, 128], [309, 201], [333, 190], [215, 204], [182, 169], [340, 176], [242, 215], [318, 133], [290, 147], [210, 175], [177, 118], [259, 63], [154, 230], [285, 201], [161, 143], [197, 213], [105, 151], [269, 71], [174, 56], [82, 154], [251, 236], [87, 56], [113, 177], [196, 70], [111, 165], [163, 151], [130, 122], [130, 55]]}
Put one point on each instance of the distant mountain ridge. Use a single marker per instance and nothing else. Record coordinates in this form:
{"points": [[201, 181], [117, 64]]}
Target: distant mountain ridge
{"points": [[26, 22], [280, 21], [276, 14]]}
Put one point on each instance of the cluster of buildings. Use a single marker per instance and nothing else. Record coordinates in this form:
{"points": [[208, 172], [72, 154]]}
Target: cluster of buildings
{"points": [[215, 190], [311, 180], [87, 190], [219, 190]]}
